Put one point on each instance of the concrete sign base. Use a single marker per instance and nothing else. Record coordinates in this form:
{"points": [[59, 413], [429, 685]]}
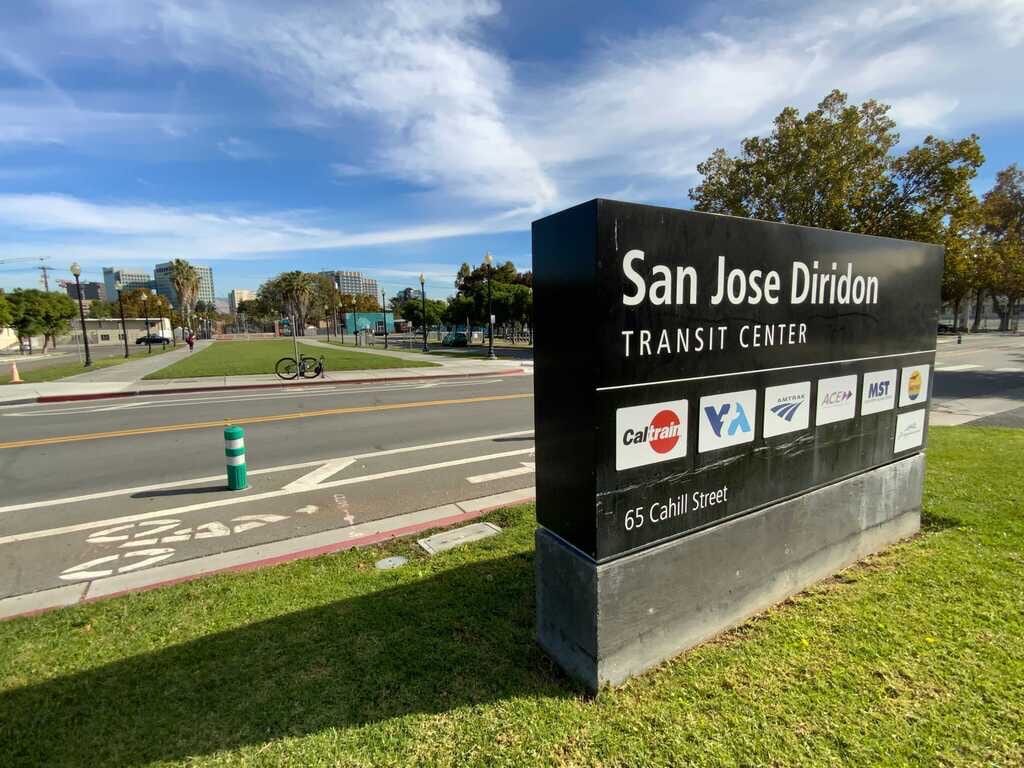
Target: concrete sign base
{"points": [[605, 623]]}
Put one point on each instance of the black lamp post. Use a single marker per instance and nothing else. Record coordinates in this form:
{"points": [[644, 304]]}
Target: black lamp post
{"points": [[423, 299], [489, 260], [124, 329], [76, 271], [145, 308], [384, 306]]}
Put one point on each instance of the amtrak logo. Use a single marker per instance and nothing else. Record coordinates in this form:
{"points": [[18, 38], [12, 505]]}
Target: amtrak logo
{"points": [[786, 410]]}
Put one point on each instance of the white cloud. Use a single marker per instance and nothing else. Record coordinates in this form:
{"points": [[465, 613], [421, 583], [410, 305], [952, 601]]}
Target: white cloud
{"points": [[241, 149]]}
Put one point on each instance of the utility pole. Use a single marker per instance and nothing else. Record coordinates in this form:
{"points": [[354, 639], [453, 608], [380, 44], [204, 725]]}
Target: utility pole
{"points": [[46, 277]]}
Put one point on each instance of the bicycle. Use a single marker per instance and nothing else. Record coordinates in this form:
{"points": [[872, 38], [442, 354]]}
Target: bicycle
{"points": [[306, 367]]}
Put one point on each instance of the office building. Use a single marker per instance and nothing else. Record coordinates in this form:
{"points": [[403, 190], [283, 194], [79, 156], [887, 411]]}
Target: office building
{"points": [[130, 280], [354, 283], [165, 287], [408, 294], [237, 296], [90, 291]]}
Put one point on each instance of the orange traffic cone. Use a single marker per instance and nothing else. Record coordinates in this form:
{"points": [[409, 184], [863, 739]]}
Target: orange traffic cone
{"points": [[15, 378]]}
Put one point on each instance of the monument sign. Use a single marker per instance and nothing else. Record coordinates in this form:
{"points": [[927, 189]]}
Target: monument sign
{"points": [[694, 371]]}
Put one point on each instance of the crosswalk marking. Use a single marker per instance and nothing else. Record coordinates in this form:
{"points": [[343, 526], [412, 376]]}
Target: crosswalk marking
{"points": [[965, 367], [1009, 370]]}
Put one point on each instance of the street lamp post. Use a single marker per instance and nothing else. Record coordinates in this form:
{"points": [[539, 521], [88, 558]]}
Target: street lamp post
{"points": [[423, 298], [124, 329], [384, 306], [489, 261], [327, 318], [145, 308], [76, 271]]}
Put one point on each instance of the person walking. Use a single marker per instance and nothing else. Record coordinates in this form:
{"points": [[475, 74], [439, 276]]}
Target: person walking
{"points": [[191, 341]]}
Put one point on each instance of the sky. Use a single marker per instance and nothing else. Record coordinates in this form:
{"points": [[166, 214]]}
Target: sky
{"points": [[398, 137]]}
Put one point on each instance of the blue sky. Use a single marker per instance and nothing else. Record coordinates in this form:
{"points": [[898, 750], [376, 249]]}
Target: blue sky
{"points": [[400, 137]]}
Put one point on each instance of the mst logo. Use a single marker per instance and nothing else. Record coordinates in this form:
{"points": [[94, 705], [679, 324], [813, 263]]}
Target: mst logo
{"points": [[647, 434], [878, 389], [726, 419]]}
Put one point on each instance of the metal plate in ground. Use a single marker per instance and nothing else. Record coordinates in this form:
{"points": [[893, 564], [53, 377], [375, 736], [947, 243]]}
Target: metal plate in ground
{"points": [[390, 563], [441, 542]]}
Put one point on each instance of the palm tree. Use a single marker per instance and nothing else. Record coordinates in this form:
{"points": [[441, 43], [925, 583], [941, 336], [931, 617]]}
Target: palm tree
{"points": [[185, 280], [299, 289]]}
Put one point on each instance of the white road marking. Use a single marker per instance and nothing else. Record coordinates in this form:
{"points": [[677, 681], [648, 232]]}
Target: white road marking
{"points": [[1009, 370], [232, 500], [167, 401], [525, 469], [251, 472], [951, 368], [312, 479]]}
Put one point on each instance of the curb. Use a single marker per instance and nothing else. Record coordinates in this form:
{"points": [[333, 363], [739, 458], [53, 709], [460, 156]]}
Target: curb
{"points": [[183, 390], [260, 555]]}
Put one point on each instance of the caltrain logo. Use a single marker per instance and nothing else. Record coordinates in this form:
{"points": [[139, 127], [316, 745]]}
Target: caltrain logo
{"points": [[787, 410], [662, 434], [914, 385], [646, 434]]}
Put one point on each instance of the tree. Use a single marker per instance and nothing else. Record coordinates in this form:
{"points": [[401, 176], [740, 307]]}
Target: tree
{"points": [[185, 280], [138, 302], [1003, 207], [56, 309], [412, 311], [291, 294], [105, 310], [26, 308], [834, 168], [6, 316]]}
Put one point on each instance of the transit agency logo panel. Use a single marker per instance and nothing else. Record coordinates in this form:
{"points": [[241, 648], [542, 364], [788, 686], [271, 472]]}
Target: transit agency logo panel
{"points": [[914, 385], [879, 392], [726, 420], [787, 408], [648, 434], [837, 399]]}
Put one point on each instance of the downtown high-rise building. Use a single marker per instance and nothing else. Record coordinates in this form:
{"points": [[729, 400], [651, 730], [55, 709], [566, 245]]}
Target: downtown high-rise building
{"points": [[130, 279], [236, 296], [353, 283], [165, 287]]}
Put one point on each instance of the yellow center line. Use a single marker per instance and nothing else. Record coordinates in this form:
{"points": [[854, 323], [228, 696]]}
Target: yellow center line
{"points": [[257, 420]]}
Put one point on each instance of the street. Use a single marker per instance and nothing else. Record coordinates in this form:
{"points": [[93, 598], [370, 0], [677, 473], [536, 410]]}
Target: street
{"points": [[104, 487]]}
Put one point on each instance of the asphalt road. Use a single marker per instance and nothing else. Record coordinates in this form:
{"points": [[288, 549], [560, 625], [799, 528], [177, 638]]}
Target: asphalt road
{"points": [[82, 480]]}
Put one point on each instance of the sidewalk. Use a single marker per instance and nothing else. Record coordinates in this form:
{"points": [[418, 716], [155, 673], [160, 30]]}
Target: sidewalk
{"points": [[112, 382]]}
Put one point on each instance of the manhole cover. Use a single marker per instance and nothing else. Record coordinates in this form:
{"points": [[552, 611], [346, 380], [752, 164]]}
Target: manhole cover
{"points": [[389, 563]]}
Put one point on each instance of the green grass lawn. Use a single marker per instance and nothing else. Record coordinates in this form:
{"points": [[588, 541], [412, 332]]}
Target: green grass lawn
{"points": [[62, 367], [234, 358], [913, 658]]}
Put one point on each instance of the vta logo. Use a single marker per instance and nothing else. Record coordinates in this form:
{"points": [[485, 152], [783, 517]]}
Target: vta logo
{"points": [[717, 418], [786, 410], [878, 389]]}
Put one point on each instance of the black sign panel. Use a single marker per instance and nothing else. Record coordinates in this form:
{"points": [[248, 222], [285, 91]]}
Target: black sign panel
{"points": [[693, 367]]}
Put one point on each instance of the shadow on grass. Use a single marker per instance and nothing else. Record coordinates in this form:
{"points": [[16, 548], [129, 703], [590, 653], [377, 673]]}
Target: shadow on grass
{"points": [[461, 638]]}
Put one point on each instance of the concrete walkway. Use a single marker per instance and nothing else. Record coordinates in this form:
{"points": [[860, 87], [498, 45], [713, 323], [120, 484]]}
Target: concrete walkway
{"points": [[135, 369]]}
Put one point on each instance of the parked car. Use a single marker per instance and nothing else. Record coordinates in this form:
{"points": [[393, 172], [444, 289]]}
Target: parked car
{"points": [[153, 339], [455, 339]]}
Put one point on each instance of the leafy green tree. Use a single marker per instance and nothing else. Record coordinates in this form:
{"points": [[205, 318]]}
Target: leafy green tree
{"points": [[26, 314], [185, 280], [835, 168], [5, 311], [1003, 207], [412, 311], [56, 309]]}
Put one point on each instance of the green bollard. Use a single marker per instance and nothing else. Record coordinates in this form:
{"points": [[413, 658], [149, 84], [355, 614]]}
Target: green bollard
{"points": [[234, 450]]}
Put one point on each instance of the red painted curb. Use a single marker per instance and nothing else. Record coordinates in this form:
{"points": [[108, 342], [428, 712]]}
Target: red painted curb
{"points": [[227, 388]]}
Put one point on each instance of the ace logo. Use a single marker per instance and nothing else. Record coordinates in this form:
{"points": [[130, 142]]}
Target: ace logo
{"points": [[727, 419], [836, 399]]}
